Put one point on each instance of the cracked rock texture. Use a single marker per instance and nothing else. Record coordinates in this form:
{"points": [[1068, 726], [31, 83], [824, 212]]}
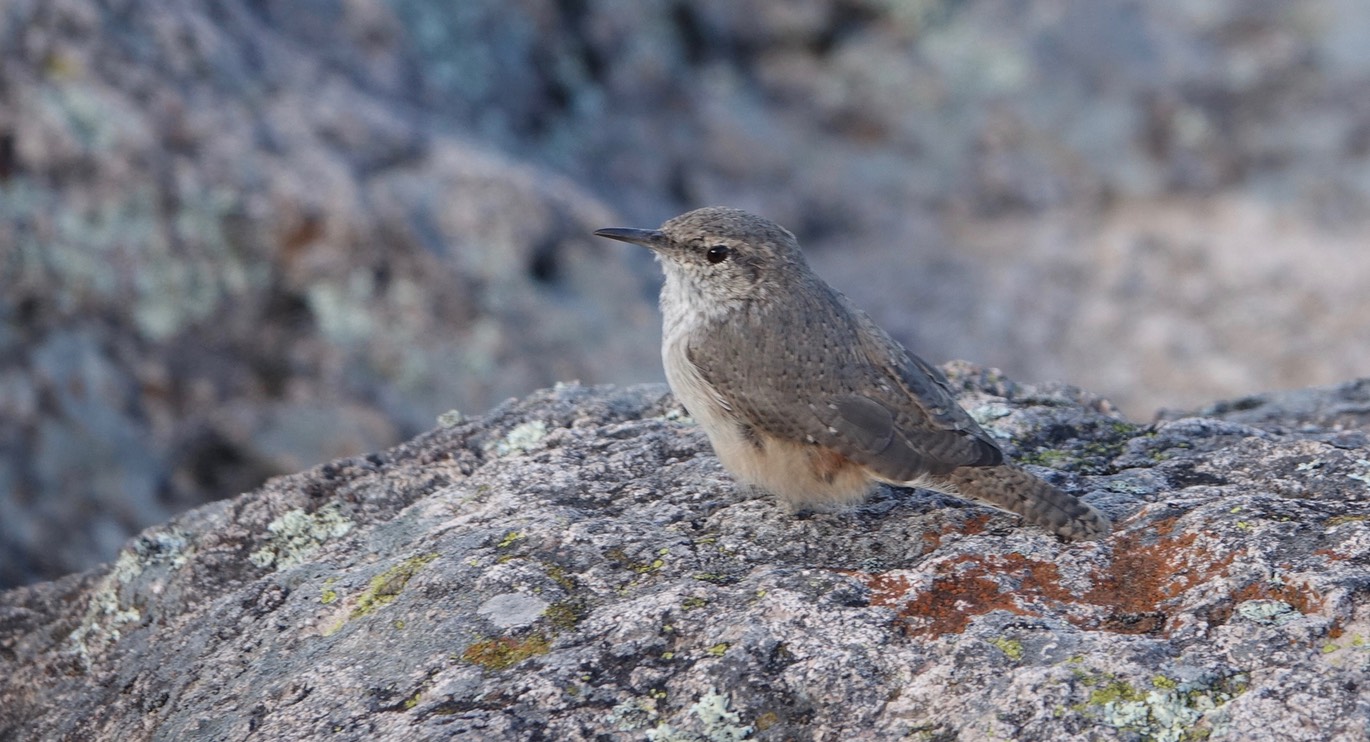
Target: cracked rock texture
{"points": [[576, 566], [240, 237]]}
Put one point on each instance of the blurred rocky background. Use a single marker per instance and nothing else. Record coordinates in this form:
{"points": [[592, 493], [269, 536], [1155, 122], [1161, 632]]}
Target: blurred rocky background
{"points": [[240, 237]]}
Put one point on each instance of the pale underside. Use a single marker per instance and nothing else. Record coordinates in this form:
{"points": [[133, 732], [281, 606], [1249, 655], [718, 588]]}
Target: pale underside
{"points": [[802, 475]]}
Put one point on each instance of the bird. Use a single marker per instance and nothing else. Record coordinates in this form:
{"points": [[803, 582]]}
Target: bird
{"points": [[802, 395]]}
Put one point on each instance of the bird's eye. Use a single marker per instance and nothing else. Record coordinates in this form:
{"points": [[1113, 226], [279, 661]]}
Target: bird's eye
{"points": [[717, 254]]}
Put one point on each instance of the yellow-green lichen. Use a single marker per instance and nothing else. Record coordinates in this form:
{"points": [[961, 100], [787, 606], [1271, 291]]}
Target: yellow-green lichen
{"points": [[1168, 712], [1121, 427], [387, 586], [1049, 457], [719, 649], [327, 595], [693, 603], [642, 568], [564, 614], [509, 539], [559, 576], [1114, 691], [1012, 648], [504, 652]]}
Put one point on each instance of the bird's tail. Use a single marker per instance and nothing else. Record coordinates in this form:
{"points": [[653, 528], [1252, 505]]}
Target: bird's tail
{"points": [[1010, 488]]}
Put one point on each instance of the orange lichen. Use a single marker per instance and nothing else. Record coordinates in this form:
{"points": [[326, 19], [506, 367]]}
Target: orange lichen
{"points": [[974, 524], [1134, 594], [1142, 579], [932, 541], [967, 587], [887, 590], [951, 603], [1331, 555]]}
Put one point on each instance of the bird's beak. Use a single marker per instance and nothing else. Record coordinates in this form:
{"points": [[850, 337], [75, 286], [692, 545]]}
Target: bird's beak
{"points": [[649, 238]]}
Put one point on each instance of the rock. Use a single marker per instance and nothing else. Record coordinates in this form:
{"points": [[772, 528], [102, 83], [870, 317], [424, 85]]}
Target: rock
{"points": [[241, 237], [1343, 410], [576, 565], [226, 253]]}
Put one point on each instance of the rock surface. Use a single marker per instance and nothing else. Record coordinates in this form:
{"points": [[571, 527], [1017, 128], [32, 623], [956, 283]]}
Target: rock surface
{"points": [[241, 237], [576, 565]]}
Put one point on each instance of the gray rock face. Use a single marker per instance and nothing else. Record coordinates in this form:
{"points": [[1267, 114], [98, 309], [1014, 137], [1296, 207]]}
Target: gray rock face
{"points": [[576, 565], [228, 250]]}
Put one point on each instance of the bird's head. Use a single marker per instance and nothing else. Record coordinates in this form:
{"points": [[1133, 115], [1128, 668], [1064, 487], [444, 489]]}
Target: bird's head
{"points": [[720, 254]]}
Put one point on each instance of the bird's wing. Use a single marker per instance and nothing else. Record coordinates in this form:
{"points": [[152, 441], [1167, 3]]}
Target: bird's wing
{"points": [[911, 401], [868, 399]]}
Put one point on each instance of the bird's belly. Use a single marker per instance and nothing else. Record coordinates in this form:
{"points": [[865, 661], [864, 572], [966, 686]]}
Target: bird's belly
{"points": [[801, 474]]}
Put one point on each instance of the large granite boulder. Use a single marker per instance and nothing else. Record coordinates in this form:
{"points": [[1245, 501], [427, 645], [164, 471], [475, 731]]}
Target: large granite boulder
{"points": [[576, 565], [241, 237]]}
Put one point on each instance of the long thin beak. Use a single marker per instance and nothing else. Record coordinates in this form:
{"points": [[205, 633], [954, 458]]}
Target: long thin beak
{"points": [[650, 238]]}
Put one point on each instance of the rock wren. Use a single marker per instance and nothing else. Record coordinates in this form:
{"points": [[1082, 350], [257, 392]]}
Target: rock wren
{"points": [[803, 396]]}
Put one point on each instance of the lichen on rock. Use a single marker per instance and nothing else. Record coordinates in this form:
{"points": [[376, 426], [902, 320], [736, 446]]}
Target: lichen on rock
{"points": [[607, 578]]}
